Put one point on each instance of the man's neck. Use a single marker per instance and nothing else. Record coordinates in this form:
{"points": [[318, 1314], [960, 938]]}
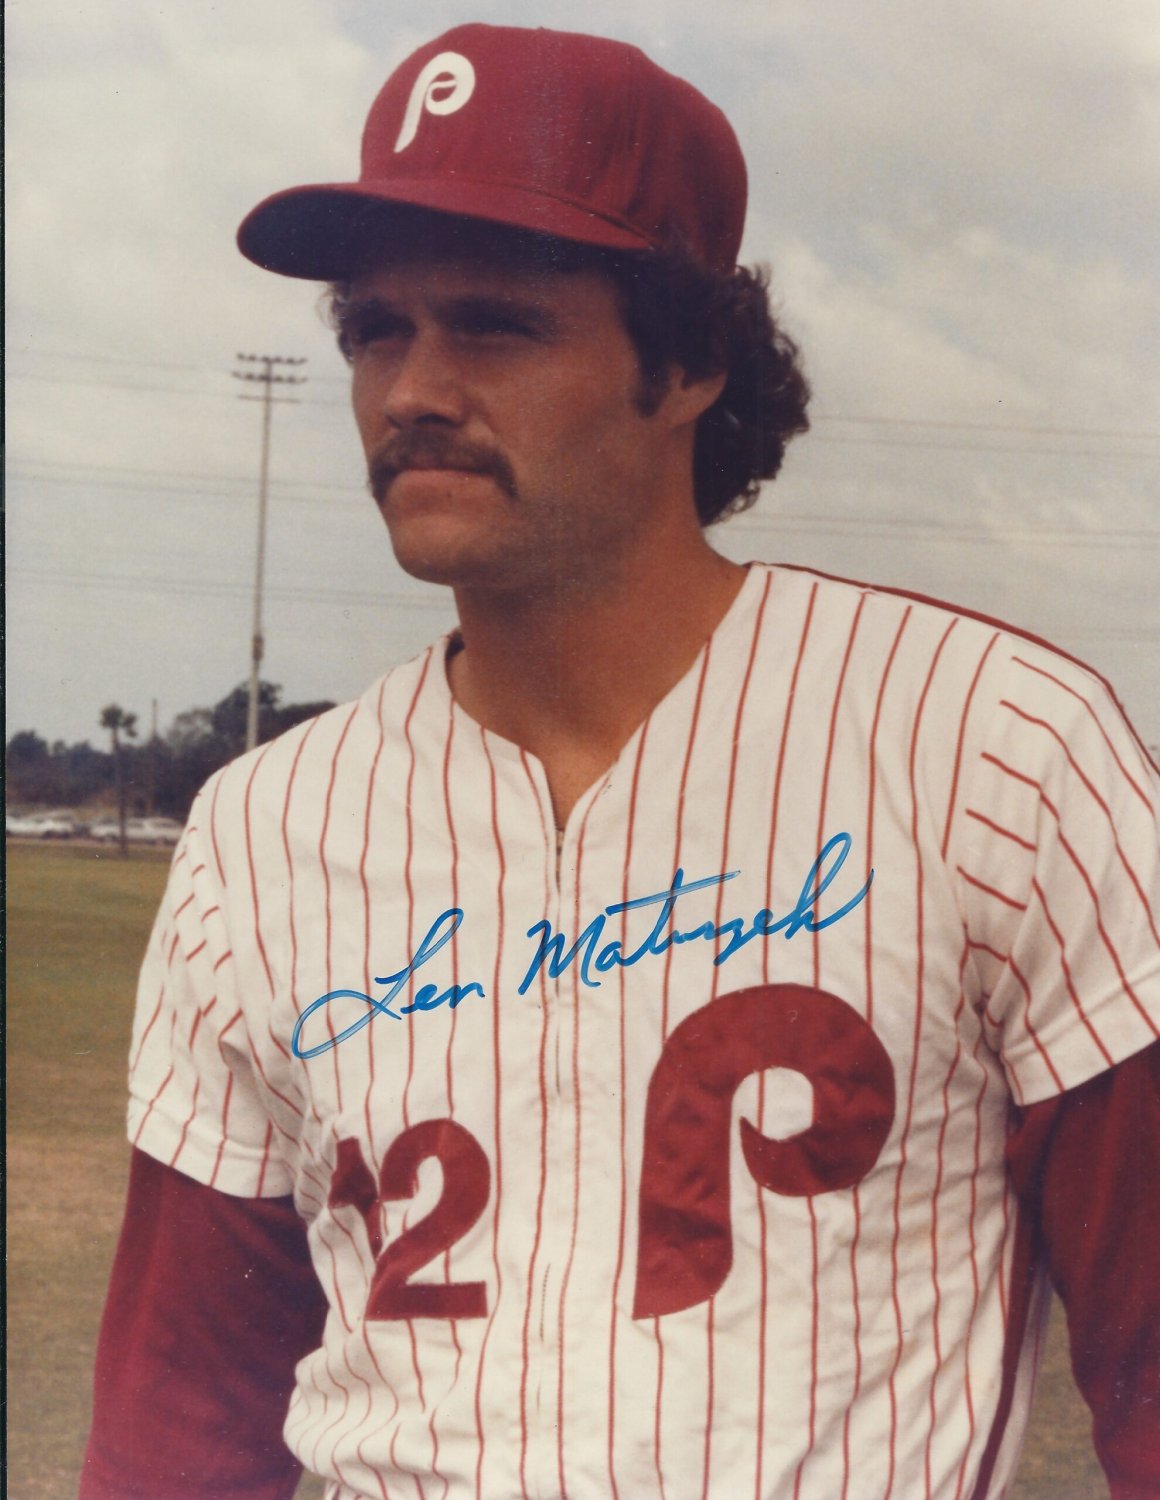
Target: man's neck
{"points": [[569, 675]]}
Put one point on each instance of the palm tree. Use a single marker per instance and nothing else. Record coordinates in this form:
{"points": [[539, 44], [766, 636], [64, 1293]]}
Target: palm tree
{"points": [[118, 723]]}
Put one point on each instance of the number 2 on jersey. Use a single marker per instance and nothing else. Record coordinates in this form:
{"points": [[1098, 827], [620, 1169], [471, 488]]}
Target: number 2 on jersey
{"points": [[466, 1186]]}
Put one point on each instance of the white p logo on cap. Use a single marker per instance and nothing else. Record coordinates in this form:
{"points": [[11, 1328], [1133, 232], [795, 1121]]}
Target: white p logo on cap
{"points": [[443, 86]]}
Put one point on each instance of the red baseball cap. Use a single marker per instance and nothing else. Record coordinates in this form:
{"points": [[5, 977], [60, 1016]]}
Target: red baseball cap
{"points": [[574, 136]]}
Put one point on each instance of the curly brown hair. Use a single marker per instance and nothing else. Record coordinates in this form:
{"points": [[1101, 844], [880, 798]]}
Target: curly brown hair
{"points": [[678, 314]]}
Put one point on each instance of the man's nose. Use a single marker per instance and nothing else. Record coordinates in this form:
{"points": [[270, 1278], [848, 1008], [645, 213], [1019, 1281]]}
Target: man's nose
{"points": [[426, 383]]}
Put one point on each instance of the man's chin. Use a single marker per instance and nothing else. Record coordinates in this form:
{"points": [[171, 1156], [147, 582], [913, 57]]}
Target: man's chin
{"points": [[443, 558]]}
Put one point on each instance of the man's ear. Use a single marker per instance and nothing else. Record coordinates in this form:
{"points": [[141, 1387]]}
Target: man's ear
{"points": [[689, 397]]}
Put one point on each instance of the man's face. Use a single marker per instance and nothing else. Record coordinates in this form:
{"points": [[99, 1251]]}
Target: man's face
{"points": [[499, 409]]}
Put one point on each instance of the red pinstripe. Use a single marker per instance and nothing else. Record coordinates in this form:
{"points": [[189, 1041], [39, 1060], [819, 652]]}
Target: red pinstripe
{"points": [[1010, 770], [1082, 872], [410, 889], [623, 1121], [731, 785], [1002, 832], [328, 802], [254, 901], [989, 890], [868, 944], [454, 949], [193, 1105], [411, 986], [358, 1447], [986, 948], [915, 1044], [824, 793], [349, 1327], [156, 1009], [372, 782], [265, 1159], [149, 1109], [454, 944], [1015, 1325], [217, 1161], [763, 1221], [536, 1238], [293, 926], [326, 1402], [974, 1257], [1103, 806], [1067, 688], [576, 1114], [213, 838], [497, 1069], [433, 1410], [1112, 951], [970, 698], [277, 1093], [934, 1217], [677, 836], [1066, 967], [1031, 1032]]}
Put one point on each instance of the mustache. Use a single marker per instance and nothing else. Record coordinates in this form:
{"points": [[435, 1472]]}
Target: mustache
{"points": [[419, 449]]}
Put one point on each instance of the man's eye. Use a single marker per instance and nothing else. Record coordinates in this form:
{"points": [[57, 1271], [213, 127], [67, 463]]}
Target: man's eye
{"points": [[363, 329], [497, 324]]}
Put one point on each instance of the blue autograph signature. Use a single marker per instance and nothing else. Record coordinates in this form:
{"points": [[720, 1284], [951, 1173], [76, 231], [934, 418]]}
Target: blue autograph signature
{"points": [[594, 954]]}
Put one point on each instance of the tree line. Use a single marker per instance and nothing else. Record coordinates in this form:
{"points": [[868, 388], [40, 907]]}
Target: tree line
{"points": [[161, 774]]}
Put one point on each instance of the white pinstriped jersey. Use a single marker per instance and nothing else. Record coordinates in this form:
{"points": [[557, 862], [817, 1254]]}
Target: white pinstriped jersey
{"points": [[634, 1222]]}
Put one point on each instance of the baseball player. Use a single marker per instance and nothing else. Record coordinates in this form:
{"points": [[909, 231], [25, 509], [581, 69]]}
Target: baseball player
{"points": [[653, 1044]]}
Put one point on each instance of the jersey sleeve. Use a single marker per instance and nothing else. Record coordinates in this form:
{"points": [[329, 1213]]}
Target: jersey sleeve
{"points": [[1058, 866], [195, 1363], [1087, 1167], [194, 1100]]}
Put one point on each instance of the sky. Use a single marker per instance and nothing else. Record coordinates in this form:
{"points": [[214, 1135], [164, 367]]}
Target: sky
{"points": [[958, 205]]}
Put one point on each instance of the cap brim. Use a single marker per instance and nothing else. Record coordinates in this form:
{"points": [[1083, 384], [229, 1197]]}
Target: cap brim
{"points": [[312, 231]]}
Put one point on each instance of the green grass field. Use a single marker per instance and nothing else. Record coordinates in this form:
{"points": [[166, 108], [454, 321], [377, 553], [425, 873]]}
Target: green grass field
{"points": [[78, 919]]}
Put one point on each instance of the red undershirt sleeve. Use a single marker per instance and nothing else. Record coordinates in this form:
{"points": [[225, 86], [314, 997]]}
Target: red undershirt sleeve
{"points": [[1087, 1165], [211, 1304]]}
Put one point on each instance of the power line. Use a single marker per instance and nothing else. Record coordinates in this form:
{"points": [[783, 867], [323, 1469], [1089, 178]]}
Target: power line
{"points": [[224, 589], [87, 469], [1018, 451], [962, 424], [955, 424], [354, 503]]}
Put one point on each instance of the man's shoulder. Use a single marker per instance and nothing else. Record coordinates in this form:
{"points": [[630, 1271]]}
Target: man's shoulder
{"points": [[989, 662], [880, 606]]}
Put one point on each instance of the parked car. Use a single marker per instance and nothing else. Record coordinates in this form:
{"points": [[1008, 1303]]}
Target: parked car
{"points": [[137, 830], [22, 825], [156, 830], [51, 825]]}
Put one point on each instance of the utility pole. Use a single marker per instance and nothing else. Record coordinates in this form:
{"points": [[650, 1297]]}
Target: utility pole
{"points": [[268, 380], [151, 768]]}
